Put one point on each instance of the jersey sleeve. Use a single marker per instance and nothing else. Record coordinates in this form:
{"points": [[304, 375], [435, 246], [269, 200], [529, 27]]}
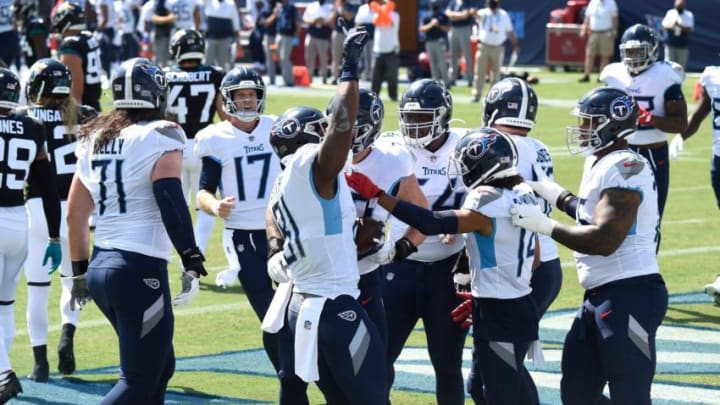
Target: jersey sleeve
{"points": [[70, 45], [203, 145], [626, 172], [484, 200], [170, 136]]}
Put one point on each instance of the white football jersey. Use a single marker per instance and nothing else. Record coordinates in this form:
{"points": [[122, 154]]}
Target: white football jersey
{"points": [[386, 166], [531, 151], [6, 15], [319, 245], [125, 16], [119, 178], [648, 88], [636, 255], [501, 263], [249, 168], [184, 13], [443, 192], [710, 80]]}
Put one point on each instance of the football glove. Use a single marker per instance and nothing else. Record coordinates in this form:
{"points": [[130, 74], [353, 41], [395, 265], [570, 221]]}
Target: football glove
{"points": [[53, 253], [79, 293], [277, 268], [403, 248], [355, 40], [190, 290], [532, 218], [545, 187], [676, 146], [363, 185], [192, 260], [385, 255], [462, 314], [461, 273], [227, 278]]}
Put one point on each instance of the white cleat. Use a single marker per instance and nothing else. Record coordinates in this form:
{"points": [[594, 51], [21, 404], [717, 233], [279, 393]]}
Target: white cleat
{"points": [[713, 290]]}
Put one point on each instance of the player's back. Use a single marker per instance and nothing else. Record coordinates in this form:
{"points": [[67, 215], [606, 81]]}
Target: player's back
{"points": [[86, 47], [118, 174], [21, 139], [191, 95]]}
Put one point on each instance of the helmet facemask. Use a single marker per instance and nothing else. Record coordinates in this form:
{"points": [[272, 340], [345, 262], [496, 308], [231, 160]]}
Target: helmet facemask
{"points": [[421, 126], [637, 56], [585, 138], [250, 106]]}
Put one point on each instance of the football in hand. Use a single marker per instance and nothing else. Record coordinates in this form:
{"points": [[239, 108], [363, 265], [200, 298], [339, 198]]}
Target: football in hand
{"points": [[369, 235]]}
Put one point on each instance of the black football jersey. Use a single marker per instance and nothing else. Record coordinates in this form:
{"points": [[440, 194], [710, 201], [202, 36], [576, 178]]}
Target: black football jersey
{"points": [[60, 145], [87, 48], [191, 95], [21, 140]]}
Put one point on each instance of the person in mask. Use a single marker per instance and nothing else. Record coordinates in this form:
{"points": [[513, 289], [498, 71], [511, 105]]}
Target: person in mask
{"points": [[494, 28], [678, 24]]}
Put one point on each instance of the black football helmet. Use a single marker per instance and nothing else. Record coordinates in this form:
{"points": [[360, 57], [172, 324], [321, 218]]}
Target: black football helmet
{"points": [[511, 102], [425, 111], [67, 16], [605, 115], [369, 120], [484, 155], [638, 48], [296, 127], [187, 44], [9, 89], [48, 77], [24, 9], [139, 84], [243, 78]]}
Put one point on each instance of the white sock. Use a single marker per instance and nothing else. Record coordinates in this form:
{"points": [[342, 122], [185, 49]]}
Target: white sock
{"points": [[37, 314]]}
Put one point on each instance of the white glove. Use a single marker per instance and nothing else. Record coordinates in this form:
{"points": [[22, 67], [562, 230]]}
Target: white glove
{"points": [[676, 146], [227, 278], [385, 255], [531, 218], [190, 290], [277, 268], [546, 188]]}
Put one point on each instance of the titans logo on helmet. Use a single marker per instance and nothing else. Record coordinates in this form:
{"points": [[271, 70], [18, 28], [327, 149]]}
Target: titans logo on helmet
{"points": [[621, 108], [477, 148], [289, 128], [376, 112]]}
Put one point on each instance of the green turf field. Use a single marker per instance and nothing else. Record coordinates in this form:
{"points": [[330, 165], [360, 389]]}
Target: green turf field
{"points": [[217, 338]]}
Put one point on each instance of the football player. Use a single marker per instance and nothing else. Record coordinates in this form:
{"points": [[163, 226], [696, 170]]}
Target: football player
{"points": [[710, 82], [425, 112], [23, 157], [236, 153], [612, 339], [187, 15], [392, 168], [126, 11], [511, 107], [309, 223], [193, 98], [34, 29], [80, 52], [48, 93], [128, 168], [657, 88], [504, 314]]}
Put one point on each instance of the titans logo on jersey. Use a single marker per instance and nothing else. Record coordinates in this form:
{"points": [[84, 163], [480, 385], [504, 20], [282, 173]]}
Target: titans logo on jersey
{"points": [[651, 88], [21, 139], [87, 48], [60, 144], [192, 94]]}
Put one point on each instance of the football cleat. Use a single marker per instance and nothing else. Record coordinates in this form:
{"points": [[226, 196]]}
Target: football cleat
{"points": [[713, 290], [9, 387], [66, 353]]}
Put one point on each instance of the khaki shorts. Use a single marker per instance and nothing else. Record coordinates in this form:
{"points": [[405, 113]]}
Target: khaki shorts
{"points": [[600, 43]]}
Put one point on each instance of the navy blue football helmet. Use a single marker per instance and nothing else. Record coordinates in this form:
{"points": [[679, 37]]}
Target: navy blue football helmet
{"points": [[296, 127], [187, 44], [68, 15], [425, 111], [511, 102], [368, 124], [243, 78], [484, 155], [48, 77], [605, 115], [638, 48], [139, 83], [9, 89]]}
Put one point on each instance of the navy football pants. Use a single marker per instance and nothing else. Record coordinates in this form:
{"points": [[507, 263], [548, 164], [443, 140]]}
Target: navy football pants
{"points": [[612, 340], [416, 290], [133, 292], [251, 250], [546, 282], [351, 355]]}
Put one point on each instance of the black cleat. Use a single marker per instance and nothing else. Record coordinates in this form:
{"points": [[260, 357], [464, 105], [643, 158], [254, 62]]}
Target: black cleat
{"points": [[9, 387], [66, 354], [40, 373]]}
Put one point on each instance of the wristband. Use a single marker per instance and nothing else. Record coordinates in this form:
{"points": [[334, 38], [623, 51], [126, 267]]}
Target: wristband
{"points": [[54, 240], [79, 267], [562, 199]]}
